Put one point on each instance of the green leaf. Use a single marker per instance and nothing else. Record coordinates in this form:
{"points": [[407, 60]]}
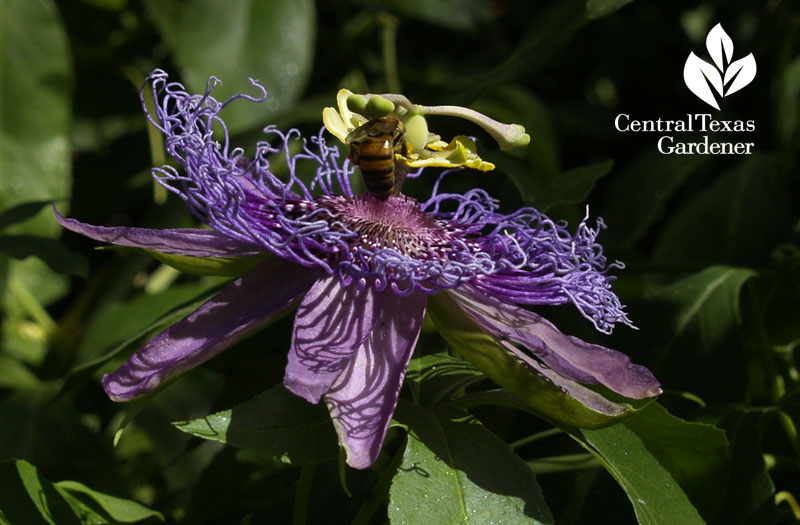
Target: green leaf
{"points": [[743, 215], [547, 33], [111, 5], [119, 321], [454, 471], [698, 322], [545, 398], [218, 266], [35, 104], [35, 91], [21, 212], [57, 256], [458, 15], [103, 335], [668, 467], [543, 191], [15, 375], [788, 111], [437, 376], [572, 186], [565, 463], [790, 404], [28, 498], [270, 41], [275, 424], [47, 431], [511, 103], [191, 393], [600, 8], [653, 178], [749, 492], [120, 510]]}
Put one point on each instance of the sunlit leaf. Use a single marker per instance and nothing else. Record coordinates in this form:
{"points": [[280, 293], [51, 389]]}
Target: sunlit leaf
{"points": [[455, 471]]}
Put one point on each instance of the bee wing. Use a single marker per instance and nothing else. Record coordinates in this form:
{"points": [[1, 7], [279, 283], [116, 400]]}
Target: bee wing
{"points": [[385, 126], [358, 134], [375, 128]]}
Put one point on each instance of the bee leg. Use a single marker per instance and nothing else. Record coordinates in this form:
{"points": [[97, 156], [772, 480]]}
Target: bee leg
{"points": [[353, 156], [400, 172]]}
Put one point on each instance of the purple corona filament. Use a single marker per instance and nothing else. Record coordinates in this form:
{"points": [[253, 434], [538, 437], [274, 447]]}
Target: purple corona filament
{"points": [[448, 240]]}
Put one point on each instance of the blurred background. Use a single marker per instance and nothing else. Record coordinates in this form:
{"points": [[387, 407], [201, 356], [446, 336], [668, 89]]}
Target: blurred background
{"points": [[710, 242]]}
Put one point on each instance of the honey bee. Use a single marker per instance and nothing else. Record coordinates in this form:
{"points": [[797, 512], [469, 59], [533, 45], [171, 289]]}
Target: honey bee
{"points": [[372, 148]]}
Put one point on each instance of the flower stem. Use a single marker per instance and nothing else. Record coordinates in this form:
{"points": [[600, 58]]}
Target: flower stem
{"points": [[535, 437], [155, 138], [303, 494], [381, 490], [507, 136], [32, 306], [567, 463], [786, 496], [389, 41], [160, 279]]}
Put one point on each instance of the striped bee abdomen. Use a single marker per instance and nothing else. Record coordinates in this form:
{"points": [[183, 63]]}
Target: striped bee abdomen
{"points": [[372, 149]]}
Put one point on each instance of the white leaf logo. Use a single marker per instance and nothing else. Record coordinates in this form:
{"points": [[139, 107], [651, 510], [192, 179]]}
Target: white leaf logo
{"points": [[725, 76]]}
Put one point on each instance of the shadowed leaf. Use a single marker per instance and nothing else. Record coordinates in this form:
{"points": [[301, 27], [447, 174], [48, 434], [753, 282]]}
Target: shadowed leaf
{"points": [[275, 424]]}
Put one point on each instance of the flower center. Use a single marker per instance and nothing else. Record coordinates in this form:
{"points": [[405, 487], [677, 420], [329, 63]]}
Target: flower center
{"points": [[397, 223]]}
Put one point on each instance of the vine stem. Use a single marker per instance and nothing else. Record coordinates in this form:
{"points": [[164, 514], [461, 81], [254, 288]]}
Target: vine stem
{"points": [[303, 494]]}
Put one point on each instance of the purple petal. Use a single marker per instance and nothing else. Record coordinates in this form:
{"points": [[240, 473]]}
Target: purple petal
{"points": [[179, 241], [364, 396], [246, 305], [571, 357], [576, 390], [330, 324]]}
